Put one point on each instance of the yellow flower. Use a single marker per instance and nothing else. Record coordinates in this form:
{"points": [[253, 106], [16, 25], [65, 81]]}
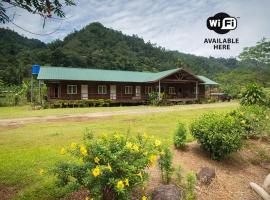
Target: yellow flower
{"points": [[120, 185], [41, 172], [88, 198], [157, 143], [153, 159], [140, 175], [83, 150], [144, 198], [96, 171], [243, 122], [129, 145], [109, 167], [135, 147], [96, 159], [126, 182], [63, 151], [117, 136], [73, 145], [242, 113]]}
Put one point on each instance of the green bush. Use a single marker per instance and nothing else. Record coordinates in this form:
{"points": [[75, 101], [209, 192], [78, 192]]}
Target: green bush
{"points": [[110, 167], [218, 134], [253, 119], [180, 136], [165, 165], [252, 95]]}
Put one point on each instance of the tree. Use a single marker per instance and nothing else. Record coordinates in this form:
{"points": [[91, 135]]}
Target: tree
{"points": [[260, 52], [45, 8]]}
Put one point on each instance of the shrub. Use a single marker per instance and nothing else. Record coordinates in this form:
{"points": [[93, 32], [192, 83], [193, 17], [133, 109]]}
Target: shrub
{"points": [[178, 175], [190, 186], [218, 134], [252, 118], [110, 167], [252, 95], [180, 136], [165, 165], [153, 98]]}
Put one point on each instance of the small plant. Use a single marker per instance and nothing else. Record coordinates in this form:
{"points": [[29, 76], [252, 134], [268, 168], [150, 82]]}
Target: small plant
{"points": [[110, 167], [190, 186], [178, 175], [88, 134], [165, 165], [153, 98], [218, 134], [180, 136], [252, 95]]}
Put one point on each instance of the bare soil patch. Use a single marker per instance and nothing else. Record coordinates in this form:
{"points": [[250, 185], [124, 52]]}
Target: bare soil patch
{"points": [[7, 193]]}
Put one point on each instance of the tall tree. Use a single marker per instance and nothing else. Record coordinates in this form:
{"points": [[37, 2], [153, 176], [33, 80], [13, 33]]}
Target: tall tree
{"points": [[45, 8], [260, 52]]}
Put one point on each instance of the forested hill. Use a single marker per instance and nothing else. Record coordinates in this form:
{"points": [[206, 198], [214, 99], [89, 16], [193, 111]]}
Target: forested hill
{"points": [[96, 46]]}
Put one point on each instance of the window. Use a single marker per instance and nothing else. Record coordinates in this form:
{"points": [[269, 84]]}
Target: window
{"points": [[148, 89], [128, 90], [102, 89], [171, 90], [71, 89]]}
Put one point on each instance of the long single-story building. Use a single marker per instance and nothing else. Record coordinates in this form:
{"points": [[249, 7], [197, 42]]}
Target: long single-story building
{"points": [[68, 83]]}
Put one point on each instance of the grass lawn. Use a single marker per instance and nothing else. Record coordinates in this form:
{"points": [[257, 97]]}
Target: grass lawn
{"points": [[26, 149]]}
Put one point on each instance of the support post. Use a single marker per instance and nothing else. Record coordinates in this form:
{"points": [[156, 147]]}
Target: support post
{"points": [[196, 90], [159, 90], [39, 90], [32, 89]]}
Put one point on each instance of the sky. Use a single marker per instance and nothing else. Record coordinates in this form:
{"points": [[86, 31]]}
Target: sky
{"points": [[173, 24]]}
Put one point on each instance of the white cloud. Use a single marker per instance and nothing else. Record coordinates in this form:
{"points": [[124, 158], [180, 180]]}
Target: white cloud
{"points": [[173, 24]]}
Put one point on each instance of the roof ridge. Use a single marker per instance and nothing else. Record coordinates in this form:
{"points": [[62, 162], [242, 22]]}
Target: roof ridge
{"points": [[80, 68]]}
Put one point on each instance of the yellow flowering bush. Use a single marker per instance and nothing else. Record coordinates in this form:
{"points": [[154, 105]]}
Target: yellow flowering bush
{"points": [[110, 167]]}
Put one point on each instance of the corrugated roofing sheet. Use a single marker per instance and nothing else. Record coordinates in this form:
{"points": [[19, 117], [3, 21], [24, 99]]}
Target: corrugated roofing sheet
{"points": [[82, 74], [207, 81]]}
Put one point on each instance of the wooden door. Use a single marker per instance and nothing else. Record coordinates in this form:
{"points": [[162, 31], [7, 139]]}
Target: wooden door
{"points": [[138, 91], [112, 91], [84, 91]]}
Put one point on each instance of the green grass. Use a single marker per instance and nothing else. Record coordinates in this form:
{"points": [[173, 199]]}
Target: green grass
{"points": [[25, 150]]}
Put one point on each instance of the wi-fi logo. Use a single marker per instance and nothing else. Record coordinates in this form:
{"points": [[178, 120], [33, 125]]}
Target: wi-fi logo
{"points": [[221, 23]]}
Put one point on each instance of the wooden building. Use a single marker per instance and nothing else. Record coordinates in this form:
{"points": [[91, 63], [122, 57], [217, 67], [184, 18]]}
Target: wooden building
{"points": [[122, 86]]}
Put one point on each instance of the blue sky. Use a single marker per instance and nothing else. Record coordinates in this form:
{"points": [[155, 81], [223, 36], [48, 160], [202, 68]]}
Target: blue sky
{"points": [[173, 24]]}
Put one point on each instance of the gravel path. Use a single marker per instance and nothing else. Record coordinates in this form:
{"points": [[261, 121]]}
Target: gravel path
{"points": [[18, 121]]}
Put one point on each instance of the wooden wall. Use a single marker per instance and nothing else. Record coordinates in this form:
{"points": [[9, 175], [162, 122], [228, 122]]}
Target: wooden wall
{"points": [[183, 90]]}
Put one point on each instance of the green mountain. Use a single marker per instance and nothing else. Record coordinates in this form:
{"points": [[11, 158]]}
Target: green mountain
{"points": [[96, 46]]}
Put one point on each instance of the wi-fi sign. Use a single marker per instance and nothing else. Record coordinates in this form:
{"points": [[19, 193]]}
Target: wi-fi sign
{"points": [[221, 23]]}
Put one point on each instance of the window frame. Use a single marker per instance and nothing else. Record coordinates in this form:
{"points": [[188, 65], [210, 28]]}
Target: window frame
{"points": [[172, 90], [104, 89], [72, 89], [128, 89], [148, 89]]}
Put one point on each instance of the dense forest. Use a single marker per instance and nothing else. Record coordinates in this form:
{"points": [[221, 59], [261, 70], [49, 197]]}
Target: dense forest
{"points": [[96, 46]]}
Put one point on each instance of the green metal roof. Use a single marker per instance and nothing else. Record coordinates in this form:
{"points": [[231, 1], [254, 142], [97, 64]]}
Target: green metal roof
{"points": [[207, 81], [83, 74]]}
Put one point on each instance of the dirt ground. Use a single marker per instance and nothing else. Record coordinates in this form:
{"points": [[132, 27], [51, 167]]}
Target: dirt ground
{"points": [[93, 115], [7, 193], [232, 175]]}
